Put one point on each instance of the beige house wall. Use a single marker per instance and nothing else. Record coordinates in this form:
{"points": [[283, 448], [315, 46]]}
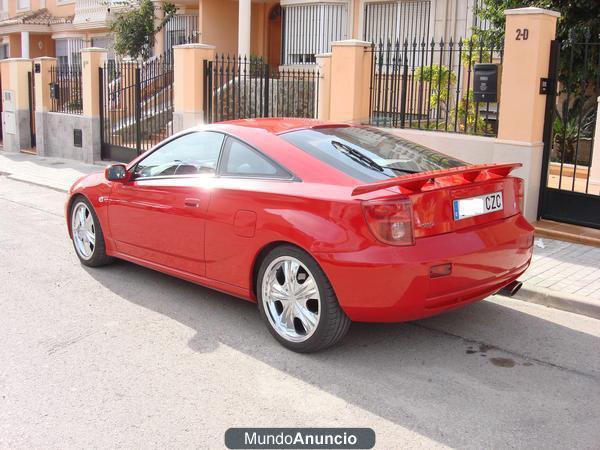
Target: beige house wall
{"points": [[65, 8], [39, 45], [219, 24]]}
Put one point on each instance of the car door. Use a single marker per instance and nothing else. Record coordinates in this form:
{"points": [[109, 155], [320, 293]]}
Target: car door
{"points": [[159, 215], [247, 184]]}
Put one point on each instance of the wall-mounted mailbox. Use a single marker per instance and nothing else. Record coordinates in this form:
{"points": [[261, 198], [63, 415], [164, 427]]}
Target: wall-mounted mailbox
{"points": [[77, 138], [54, 92], [486, 82]]}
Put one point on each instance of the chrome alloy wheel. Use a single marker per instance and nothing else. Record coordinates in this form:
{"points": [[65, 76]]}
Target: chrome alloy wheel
{"points": [[291, 299], [84, 230]]}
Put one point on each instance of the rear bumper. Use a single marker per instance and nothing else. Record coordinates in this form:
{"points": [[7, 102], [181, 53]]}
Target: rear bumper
{"points": [[393, 284]]}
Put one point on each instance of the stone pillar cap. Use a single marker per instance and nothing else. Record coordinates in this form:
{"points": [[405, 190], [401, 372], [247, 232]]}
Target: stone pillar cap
{"points": [[531, 10], [205, 46], [14, 59], [94, 49], [352, 43]]}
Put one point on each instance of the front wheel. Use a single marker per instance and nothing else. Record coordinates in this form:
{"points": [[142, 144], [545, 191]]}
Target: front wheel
{"points": [[88, 238], [297, 301]]}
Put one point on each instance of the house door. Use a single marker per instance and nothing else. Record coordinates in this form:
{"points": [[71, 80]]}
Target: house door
{"points": [[275, 36]]}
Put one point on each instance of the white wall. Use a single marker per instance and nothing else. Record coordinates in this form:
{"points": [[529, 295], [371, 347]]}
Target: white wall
{"points": [[482, 150]]}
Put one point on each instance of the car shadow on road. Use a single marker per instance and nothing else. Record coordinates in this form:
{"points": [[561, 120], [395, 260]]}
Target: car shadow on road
{"points": [[472, 372]]}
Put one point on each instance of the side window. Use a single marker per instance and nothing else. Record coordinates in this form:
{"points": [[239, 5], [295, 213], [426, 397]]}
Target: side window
{"points": [[241, 160], [193, 153]]}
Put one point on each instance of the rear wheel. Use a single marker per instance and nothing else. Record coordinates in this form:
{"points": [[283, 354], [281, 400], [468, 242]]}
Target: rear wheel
{"points": [[297, 301], [88, 238]]}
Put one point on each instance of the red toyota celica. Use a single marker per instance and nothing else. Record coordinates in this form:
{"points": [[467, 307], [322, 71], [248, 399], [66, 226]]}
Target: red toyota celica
{"points": [[319, 223]]}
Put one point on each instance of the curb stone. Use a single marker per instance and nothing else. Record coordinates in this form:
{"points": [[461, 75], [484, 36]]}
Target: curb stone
{"points": [[567, 302], [36, 183]]}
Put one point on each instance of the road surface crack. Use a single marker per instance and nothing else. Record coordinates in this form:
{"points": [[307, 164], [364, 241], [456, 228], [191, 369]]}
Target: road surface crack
{"points": [[487, 346]]}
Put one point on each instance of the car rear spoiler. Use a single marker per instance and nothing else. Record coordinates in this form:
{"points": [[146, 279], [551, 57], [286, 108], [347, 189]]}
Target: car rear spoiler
{"points": [[414, 182]]}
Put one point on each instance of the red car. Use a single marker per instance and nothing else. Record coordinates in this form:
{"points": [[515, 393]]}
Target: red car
{"points": [[319, 223]]}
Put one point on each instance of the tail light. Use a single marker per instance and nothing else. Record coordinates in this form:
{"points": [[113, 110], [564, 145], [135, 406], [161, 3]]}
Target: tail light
{"points": [[390, 221], [520, 194]]}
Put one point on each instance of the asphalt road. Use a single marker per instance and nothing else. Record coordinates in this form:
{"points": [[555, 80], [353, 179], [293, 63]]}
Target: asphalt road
{"points": [[126, 357]]}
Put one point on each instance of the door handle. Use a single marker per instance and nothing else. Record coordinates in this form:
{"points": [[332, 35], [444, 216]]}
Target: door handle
{"points": [[192, 202]]}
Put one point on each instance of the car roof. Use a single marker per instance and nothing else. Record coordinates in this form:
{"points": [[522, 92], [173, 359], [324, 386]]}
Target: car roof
{"points": [[280, 125]]}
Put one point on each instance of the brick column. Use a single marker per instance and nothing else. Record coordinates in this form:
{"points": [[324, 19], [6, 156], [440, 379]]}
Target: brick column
{"points": [[528, 34], [16, 132], [43, 102], [42, 67], [350, 78], [92, 59], [188, 87], [525, 62], [324, 88]]}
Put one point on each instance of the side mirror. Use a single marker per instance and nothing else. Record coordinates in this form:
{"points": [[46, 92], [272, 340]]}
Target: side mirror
{"points": [[116, 172]]}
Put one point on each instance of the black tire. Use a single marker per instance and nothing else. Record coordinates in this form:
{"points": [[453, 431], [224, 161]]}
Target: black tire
{"points": [[98, 256], [333, 323]]}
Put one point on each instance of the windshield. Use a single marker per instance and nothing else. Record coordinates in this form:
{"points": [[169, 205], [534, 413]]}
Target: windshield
{"points": [[368, 154]]}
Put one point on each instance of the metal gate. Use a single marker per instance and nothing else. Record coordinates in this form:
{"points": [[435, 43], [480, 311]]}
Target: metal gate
{"points": [[241, 88], [136, 107], [570, 188], [31, 99]]}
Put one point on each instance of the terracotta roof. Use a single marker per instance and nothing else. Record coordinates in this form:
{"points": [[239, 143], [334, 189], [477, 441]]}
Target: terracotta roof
{"points": [[38, 17]]}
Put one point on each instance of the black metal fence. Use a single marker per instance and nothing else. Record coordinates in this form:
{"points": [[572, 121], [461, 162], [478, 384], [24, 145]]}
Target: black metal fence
{"points": [[428, 85], [136, 107], [575, 116], [168, 55], [237, 87], [570, 189], [180, 29], [65, 89]]}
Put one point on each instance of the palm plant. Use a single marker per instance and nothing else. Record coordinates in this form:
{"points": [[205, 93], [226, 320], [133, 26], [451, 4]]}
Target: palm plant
{"points": [[573, 121]]}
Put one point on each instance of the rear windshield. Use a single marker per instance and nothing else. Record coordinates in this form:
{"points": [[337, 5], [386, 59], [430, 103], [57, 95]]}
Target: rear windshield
{"points": [[368, 154]]}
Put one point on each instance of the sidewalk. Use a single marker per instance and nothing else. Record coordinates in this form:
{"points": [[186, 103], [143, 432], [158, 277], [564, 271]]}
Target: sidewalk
{"points": [[562, 275], [55, 173]]}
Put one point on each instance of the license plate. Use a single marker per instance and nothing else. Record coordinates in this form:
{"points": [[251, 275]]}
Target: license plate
{"points": [[476, 206]]}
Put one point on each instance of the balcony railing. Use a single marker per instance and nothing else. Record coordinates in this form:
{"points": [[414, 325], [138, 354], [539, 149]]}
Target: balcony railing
{"points": [[95, 11]]}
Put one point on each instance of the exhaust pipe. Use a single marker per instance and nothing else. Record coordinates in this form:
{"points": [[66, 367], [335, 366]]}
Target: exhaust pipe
{"points": [[511, 289]]}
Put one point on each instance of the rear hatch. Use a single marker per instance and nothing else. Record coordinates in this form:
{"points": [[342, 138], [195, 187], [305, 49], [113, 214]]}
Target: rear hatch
{"points": [[453, 199], [480, 200]]}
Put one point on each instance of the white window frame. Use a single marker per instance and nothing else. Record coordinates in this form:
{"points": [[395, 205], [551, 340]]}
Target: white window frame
{"points": [[74, 46], [363, 8], [294, 29]]}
